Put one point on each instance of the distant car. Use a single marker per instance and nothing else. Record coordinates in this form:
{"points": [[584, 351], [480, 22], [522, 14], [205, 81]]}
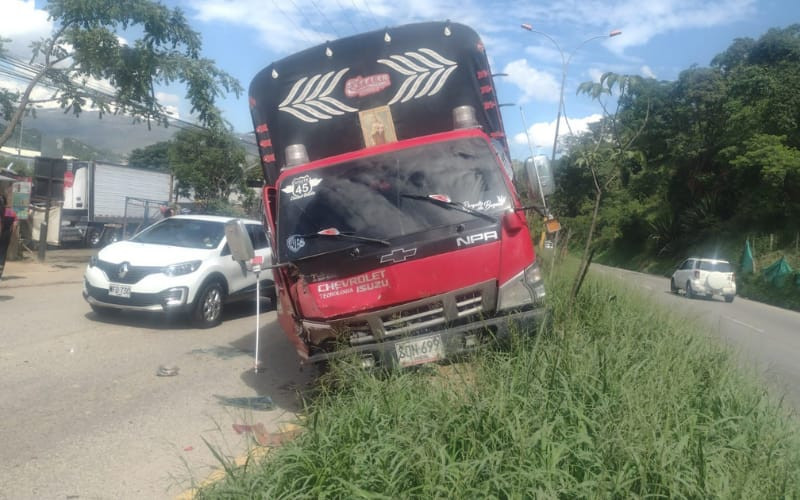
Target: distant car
{"points": [[707, 277], [182, 265]]}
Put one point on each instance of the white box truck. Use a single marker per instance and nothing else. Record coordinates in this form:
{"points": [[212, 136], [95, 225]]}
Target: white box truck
{"points": [[97, 202]]}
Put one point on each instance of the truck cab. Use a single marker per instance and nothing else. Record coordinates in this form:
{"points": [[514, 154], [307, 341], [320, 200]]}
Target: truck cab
{"points": [[398, 235]]}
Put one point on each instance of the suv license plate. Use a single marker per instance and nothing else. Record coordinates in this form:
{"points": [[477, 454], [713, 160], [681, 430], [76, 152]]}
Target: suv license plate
{"points": [[116, 290], [418, 351]]}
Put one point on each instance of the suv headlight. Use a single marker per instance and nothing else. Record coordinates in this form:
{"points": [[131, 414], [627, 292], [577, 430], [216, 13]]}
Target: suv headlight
{"points": [[182, 268], [523, 290]]}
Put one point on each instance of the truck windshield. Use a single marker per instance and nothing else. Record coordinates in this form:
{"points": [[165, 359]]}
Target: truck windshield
{"points": [[380, 196]]}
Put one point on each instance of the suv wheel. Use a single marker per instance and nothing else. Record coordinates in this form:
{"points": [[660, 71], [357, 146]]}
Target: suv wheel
{"points": [[208, 305], [672, 287], [689, 291], [729, 298]]}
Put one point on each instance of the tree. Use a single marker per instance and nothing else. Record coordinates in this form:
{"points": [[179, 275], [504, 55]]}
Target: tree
{"points": [[611, 156], [7, 98], [154, 157], [85, 45], [208, 163]]}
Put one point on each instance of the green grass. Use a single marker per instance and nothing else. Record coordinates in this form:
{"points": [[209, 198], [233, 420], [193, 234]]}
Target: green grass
{"points": [[617, 400]]}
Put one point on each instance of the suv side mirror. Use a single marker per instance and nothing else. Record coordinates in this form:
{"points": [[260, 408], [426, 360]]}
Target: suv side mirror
{"points": [[239, 241]]}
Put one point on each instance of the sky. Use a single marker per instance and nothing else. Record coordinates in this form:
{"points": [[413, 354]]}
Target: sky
{"points": [[659, 39]]}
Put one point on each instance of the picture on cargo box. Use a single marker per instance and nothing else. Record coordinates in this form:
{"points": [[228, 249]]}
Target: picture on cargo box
{"points": [[377, 126]]}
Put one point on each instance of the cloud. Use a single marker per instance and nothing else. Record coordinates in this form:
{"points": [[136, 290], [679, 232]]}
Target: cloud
{"points": [[642, 21], [535, 85], [542, 133], [23, 24], [171, 102], [647, 72]]}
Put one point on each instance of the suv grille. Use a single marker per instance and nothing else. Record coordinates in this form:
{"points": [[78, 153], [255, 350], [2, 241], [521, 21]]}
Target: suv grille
{"points": [[134, 273]]}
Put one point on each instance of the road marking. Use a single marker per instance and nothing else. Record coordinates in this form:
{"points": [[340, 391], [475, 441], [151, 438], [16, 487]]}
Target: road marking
{"points": [[759, 330]]}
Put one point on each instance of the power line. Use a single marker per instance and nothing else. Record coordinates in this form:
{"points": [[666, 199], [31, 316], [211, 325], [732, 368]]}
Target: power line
{"points": [[374, 19], [25, 72], [299, 30], [325, 18]]}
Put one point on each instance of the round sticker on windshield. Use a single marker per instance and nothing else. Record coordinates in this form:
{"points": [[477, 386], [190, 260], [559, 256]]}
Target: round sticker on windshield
{"points": [[295, 242], [301, 187]]}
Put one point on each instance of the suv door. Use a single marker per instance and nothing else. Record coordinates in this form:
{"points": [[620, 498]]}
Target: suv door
{"points": [[684, 273]]}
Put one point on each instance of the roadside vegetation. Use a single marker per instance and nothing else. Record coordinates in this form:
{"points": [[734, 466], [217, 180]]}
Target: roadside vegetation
{"points": [[716, 161], [617, 400]]}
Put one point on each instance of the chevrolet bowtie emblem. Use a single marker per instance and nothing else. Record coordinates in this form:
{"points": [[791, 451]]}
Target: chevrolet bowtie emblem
{"points": [[398, 255], [123, 270]]}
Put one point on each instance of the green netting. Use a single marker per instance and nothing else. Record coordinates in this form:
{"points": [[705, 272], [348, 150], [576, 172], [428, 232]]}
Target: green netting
{"points": [[747, 259], [778, 272]]}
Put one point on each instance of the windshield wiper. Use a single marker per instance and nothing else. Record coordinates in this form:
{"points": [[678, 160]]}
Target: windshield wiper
{"points": [[332, 232], [444, 201]]}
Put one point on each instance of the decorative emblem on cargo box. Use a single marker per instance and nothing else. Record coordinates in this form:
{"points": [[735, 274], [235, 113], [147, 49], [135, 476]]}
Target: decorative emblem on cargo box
{"points": [[427, 72], [310, 100], [301, 187], [362, 86]]}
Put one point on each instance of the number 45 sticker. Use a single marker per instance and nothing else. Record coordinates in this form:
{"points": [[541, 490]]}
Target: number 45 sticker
{"points": [[301, 187]]}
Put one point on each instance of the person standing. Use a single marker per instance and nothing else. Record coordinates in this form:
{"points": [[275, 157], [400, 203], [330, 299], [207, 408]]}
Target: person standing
{"points": [[9, 221]]}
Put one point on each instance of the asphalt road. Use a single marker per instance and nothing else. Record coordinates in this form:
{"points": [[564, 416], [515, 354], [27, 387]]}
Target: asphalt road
{"points": [[765, 338], [83, 412]]}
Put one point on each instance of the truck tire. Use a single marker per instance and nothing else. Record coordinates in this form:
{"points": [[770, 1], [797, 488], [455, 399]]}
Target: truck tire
{"points": [[208, 305], [94, 237]]}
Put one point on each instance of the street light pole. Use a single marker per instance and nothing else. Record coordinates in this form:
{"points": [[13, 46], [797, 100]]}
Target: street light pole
{"points": [[564, 67]]}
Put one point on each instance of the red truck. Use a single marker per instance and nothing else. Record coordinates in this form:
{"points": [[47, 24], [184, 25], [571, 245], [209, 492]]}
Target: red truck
{"points": [[397, 232]]}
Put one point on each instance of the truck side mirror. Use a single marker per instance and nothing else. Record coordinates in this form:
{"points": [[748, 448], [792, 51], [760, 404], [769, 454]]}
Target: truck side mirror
{"points": [[239, 241], [539, 176]]}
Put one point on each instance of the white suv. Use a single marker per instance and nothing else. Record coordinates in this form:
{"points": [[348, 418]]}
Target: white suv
{"points": [[704, 277], [181, 264]]}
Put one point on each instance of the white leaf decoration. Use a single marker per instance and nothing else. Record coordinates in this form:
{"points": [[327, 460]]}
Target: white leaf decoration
{"points": [[307, 101], [427, 72]]}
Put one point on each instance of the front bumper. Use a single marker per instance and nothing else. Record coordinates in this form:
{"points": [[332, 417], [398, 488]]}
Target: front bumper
{"points": [[153, 302], [457, 339]]}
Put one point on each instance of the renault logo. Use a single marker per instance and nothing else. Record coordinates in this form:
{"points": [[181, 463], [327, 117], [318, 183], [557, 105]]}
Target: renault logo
{"points": [[398, 255], [123, 270]]}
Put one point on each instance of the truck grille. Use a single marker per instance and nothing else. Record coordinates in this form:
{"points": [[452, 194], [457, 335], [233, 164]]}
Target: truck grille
{"points": [[421, 316], [134, 274]]}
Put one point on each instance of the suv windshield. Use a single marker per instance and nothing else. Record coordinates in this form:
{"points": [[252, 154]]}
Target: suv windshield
{"points": [[720, 267], [389, 195], [190, 233]]}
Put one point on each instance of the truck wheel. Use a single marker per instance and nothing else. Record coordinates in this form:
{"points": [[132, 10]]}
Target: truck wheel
{"points": [[112, 236], [729, 298], [94, 237], [208, 305]]}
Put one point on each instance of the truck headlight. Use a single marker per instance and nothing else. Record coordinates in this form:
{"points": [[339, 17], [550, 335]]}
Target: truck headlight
{"points": [[523, 290], [182, 268]]}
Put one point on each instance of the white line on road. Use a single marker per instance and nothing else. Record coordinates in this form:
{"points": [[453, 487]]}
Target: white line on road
{"points": [[759, 330]]}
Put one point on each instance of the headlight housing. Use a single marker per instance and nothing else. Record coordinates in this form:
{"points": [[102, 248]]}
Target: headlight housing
{"points": [[182, 268], [524, 290]]}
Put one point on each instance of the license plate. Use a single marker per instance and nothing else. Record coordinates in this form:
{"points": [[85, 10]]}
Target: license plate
{"points": [[418, 351], [116, 290]]}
